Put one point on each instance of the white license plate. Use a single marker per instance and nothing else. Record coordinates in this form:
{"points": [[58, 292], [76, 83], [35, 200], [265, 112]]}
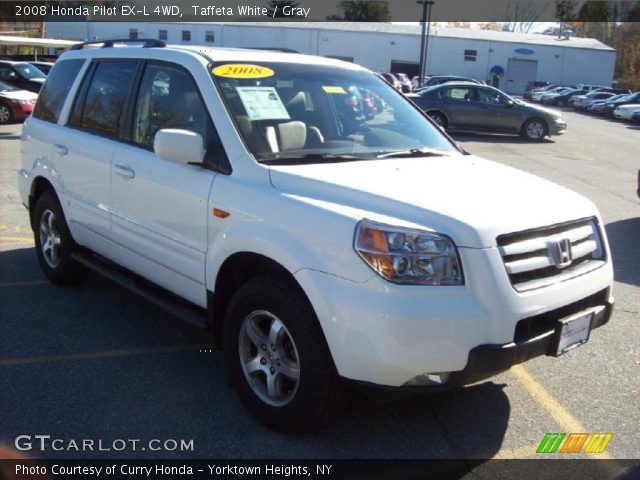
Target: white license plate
{"points": [[574, 331]]}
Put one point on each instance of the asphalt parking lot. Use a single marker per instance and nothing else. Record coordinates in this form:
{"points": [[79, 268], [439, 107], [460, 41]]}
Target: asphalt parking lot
{"points": [[97, 362]]}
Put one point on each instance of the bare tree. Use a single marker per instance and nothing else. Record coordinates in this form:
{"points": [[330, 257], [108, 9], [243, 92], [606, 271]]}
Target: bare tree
{"points": [[523, 15]]}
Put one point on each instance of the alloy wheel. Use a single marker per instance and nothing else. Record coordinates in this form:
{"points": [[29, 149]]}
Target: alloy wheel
{"points": [[50, 239], [269, 358]]}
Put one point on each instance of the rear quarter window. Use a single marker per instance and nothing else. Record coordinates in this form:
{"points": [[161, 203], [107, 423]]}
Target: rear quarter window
{"points": [[56, 89]]}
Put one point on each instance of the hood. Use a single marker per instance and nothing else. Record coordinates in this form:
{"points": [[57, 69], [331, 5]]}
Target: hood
{"points": [[548, 111], [19, 95], [471, 199]]}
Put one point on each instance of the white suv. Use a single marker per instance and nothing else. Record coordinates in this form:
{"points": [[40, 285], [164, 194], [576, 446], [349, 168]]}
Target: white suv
{"points": [[318, 222]]}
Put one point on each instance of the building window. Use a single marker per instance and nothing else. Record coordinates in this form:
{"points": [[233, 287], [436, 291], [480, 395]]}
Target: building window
{"points": [[162, 34], [186, 35], [470, 55], [133, 33], [209, 37]]}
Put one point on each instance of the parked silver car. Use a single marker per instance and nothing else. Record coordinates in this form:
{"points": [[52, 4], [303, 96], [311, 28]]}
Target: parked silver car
{"points": [[469, 106]]}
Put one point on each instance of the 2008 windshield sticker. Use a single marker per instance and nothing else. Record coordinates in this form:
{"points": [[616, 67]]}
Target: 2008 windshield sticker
{"points": [[242, 70]]}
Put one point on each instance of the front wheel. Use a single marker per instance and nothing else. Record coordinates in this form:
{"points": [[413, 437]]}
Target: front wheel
{"points": [[277, 358], [534, 129]]}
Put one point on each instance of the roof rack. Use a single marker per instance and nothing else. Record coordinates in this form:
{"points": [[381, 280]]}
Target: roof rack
{"points": [[147, 43]]}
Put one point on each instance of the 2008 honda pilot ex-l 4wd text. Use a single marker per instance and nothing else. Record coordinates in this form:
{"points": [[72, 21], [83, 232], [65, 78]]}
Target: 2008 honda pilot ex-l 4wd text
{"points": [[326, 243]]}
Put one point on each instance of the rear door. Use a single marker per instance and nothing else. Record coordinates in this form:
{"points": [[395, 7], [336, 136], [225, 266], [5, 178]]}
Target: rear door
{"points": [[83, 149], [161, 208], [459, 106]]}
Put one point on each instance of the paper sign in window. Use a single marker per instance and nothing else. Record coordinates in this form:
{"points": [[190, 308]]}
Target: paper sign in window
{"points": [[262, 103]]}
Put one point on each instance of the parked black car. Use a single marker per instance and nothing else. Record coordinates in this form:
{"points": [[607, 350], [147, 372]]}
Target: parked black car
{"points": [[469, 106], [611, 105], [562, 99], [44, 67], [22, 75]]}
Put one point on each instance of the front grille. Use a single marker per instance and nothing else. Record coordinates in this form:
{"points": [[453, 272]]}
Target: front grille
{"points": [[541, 257]]}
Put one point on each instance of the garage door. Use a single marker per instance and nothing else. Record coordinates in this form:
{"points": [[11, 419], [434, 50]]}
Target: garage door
{"points": [[519, 73]]}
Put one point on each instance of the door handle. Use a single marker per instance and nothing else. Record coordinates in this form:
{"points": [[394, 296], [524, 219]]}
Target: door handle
{"points": [[125, 172], [61, 149]]}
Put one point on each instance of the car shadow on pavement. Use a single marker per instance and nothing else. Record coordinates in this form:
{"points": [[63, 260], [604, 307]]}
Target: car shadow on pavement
{"points": [[624, 241], [93, 362], [463, 136]]}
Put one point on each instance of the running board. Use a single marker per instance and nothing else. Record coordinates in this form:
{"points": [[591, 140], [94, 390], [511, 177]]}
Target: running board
{"points": [[151, 292]]}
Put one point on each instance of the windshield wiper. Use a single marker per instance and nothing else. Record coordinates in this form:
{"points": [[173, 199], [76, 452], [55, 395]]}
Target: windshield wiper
{"points": [[413, 152], [311, 158]]}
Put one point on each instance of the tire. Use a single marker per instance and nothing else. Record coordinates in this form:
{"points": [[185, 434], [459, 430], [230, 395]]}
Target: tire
{"points": [[439, 119], [560, 103], [5, 114], [54, 243], [305, 389], [535, 129]]}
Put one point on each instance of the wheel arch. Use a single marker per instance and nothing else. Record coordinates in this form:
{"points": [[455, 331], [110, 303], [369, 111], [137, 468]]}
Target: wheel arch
{"points": [[440, 112], [535, 117], [39, 185], [236, 270]]}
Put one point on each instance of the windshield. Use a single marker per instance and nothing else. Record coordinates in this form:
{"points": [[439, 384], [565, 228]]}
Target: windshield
{"points": [[29, 71], [5, 87], [289, 113]]}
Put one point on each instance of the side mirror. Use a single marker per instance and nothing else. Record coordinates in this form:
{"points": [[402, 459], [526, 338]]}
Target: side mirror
{"points": [[509, 103], [179, 146]]}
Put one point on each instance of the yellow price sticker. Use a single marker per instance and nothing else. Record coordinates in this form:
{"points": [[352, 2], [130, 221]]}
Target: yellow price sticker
{"points": [[334, 89], [242, 70]]}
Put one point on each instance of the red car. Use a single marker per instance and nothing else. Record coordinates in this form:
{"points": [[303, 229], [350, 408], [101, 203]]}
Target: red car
{"points": [[15, 104]]}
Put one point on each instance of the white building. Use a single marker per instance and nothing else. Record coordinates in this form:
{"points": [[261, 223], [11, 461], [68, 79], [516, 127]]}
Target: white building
{"points": [[517, 57]]}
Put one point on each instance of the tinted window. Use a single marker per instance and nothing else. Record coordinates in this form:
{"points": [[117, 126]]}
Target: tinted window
{"points": [[169, 98], [106, 97], [29, 71], [56, 89], [7, 72], [488, 96]]}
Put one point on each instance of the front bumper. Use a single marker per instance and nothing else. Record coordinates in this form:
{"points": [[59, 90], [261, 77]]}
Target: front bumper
{"points": [[485, 361], [557, 127], [388, 335]]}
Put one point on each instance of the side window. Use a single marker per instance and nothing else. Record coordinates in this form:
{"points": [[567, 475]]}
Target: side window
{"points": [[488, 96], [168, 97], [5, 72], [457, 93], [106, 98], [56, 89]]}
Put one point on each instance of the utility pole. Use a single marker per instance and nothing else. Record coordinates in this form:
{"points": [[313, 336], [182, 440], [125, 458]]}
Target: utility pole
{"points": [[424, 38]]}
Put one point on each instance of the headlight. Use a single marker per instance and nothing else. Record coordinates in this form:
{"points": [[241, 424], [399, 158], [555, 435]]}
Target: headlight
{"points": [[408, 256]]}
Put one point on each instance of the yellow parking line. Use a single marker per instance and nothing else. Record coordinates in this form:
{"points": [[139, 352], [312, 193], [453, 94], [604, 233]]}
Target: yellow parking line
{"points": [[30, 283], [94, 355], [559, 413], [17, 240]]}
